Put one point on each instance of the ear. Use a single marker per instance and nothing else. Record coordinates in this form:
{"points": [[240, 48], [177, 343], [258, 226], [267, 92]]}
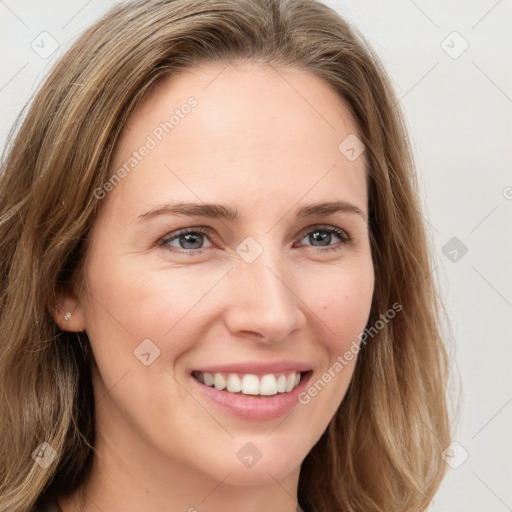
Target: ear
{"points": [[69, 314]]}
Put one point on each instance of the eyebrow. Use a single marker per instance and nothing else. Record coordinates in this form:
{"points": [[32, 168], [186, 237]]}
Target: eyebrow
{"points": [[226, 212]]}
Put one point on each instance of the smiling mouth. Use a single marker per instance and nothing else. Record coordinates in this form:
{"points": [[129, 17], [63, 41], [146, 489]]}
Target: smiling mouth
{"points": [[251, 384]]}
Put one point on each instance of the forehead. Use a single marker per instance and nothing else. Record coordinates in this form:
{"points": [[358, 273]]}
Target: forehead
{"points": [[219, 132]]}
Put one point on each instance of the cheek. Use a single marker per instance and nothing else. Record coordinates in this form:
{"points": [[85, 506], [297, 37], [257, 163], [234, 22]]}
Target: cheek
{"points": [[162, 304], [341, 299], [127, 307], [341, 307]]}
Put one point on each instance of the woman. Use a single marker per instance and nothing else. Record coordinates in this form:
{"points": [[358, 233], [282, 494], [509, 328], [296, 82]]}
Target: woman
{"points": [[216, 288]]}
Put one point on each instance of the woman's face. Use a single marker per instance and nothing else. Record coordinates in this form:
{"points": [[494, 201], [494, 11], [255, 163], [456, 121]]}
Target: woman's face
{"points": [[221, 254]]}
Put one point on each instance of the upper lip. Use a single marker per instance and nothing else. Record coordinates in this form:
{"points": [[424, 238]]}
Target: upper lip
{"points": [[257, 367]]}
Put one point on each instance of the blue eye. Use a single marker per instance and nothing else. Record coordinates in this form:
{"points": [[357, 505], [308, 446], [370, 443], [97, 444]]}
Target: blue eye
{"points": [[188, 240], [325, 236], [193, 240]]}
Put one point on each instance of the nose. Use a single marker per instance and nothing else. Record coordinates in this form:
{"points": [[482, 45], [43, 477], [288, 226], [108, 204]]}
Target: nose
{"points": [[263, 303]]}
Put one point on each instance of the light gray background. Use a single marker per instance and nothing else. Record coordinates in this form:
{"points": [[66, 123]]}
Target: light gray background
{"points": [[459, 109]]}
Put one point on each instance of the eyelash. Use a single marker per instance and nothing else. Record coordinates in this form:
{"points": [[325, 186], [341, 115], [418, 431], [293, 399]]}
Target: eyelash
{"points": [[342, 235]]}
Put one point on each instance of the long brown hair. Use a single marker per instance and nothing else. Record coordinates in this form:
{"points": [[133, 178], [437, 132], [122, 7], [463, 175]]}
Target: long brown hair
{"points": [[382, 449]]}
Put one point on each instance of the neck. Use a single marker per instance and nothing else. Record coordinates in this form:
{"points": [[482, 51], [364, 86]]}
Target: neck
{"points": [[129, 474], [181, 494]]}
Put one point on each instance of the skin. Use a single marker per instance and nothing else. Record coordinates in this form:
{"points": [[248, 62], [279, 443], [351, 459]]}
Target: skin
{"points": [[264, 141]]}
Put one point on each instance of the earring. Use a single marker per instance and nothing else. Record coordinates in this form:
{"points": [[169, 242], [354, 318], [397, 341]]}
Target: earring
{"points": [[67, 316]]}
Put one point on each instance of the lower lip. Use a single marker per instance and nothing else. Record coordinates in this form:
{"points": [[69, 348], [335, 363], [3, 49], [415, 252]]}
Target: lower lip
{"points": [[258, 407]]}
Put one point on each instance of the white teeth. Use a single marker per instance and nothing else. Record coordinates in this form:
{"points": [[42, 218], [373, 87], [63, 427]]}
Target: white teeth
{"points": [[250, 384], [219, 382], [290, 381], [234, 383], [281, 384], [268, 385]]}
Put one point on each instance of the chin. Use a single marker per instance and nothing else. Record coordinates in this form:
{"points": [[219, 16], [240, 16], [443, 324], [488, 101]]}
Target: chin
{"points": [[260, 474]]}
